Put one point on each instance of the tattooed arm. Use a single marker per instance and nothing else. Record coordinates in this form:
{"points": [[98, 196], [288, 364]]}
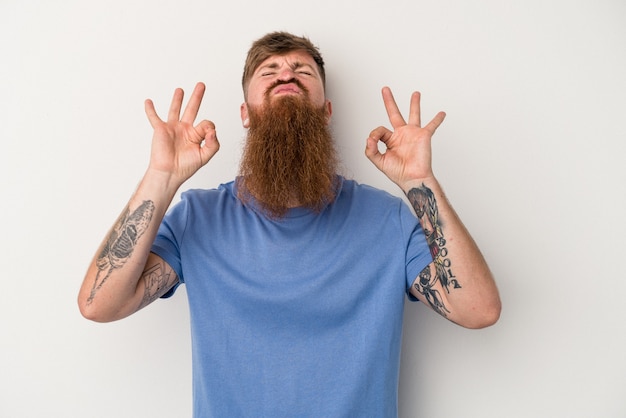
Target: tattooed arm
{"points": [[125, 276], [458, 283]]}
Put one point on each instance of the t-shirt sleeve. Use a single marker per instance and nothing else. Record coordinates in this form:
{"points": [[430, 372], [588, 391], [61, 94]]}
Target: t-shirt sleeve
{"points": [[418, 254], [169, 238]]}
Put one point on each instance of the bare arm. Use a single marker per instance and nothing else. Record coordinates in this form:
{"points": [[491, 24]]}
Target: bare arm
{"points": [[458, 284], [124, 276]]}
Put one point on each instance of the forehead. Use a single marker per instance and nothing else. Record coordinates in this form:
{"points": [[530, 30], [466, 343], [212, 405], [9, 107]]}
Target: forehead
{"points": [[292, 59]]}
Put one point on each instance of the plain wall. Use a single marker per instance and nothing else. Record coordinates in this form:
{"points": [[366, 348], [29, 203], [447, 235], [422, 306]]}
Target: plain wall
{"points": [[531, 155]]}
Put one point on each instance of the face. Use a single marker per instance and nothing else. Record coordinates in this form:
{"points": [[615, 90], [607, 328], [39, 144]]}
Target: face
{"points": [[294, 74]]}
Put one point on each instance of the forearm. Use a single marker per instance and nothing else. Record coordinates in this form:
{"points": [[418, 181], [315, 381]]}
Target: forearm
{"points": [[110, 289], [460, 278]]}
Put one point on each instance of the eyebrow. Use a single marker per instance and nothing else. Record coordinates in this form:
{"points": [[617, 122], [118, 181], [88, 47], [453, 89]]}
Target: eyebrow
{"points": [[294, 66]]}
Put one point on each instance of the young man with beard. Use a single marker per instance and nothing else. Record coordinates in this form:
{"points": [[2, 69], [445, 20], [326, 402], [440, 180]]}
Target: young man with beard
{"points": [[296, 277]]}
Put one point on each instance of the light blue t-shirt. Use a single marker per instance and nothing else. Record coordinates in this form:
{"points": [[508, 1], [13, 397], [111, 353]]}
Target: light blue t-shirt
{"points": [[297, 317]]}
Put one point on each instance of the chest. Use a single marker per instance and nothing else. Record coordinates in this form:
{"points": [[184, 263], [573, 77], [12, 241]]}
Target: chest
{"points": [[285, 274]]}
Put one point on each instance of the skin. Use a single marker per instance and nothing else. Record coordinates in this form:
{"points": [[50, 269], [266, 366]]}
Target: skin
{"points": [[180, 146], [125, 276], [296, 65], [474, 301]]}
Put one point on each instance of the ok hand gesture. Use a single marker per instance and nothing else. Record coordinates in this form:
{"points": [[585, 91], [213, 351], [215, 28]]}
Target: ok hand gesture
{"points": [[407, 157], [179, 148]]}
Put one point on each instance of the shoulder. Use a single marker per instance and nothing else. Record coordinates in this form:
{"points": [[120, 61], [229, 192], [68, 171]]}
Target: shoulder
{"points": [[208, 196], [376, 210], [370, 204], [353, 190], [201, 201]]}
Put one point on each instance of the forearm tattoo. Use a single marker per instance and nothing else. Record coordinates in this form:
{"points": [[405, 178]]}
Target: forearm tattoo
{"points": [[425, 205], [121, 243], [157, 280]]}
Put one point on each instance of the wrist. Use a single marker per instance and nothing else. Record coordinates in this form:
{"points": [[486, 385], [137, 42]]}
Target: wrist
{"points": [[157, 182], [429, 181]]}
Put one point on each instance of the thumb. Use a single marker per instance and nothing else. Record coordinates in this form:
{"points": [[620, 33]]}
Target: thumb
{"points": [[211, 144], [373, 153], [204, 127]]}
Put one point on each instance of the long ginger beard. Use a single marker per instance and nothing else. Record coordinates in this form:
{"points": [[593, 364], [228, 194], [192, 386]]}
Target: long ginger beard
{"points": [[289, 159]]}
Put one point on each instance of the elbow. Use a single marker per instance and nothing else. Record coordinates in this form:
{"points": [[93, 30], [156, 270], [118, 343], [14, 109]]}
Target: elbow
{"points": [[486, 307], [486, 317], [89, 310]]}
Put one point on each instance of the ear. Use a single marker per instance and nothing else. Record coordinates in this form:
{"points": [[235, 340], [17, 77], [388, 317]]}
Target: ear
{"points": [[245, 120], [329, 111]]}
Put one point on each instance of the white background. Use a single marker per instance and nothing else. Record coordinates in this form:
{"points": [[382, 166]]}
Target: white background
{"points": [[531, 155]]}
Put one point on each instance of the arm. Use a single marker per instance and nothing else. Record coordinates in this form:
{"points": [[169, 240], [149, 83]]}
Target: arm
{"points": [[458, 284], [124, 275]]}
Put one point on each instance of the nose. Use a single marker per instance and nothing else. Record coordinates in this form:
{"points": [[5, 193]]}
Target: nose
{"points": [[286, 74]]}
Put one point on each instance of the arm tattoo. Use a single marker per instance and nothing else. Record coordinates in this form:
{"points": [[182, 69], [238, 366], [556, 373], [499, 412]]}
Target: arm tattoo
{"points": [[121, 243], [158, 279], [425, 286], [425, 205]]}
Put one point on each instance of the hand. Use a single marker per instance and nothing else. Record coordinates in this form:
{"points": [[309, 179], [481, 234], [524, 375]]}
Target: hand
{"points": [[408, 147], [179, 148]]}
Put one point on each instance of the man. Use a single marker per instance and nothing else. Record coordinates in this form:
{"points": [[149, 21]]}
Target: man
{"points": [[296, 277]]}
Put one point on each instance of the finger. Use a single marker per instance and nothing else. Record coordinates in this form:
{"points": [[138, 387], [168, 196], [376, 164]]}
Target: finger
{"points": [[151, 113], [372, 152], [395, 117], [371, 148], [381, 134], [204, 125], [211, 143], [203, 128], [191, 110], [177, 102], [415, 115], [435, 122]]}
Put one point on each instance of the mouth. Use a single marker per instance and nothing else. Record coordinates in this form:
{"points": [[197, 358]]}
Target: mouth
{"points": [[287, 89]]}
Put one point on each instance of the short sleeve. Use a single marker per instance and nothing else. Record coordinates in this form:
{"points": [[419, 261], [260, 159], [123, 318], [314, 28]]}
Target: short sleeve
{"points": [[169, 239], [418, 254]]}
